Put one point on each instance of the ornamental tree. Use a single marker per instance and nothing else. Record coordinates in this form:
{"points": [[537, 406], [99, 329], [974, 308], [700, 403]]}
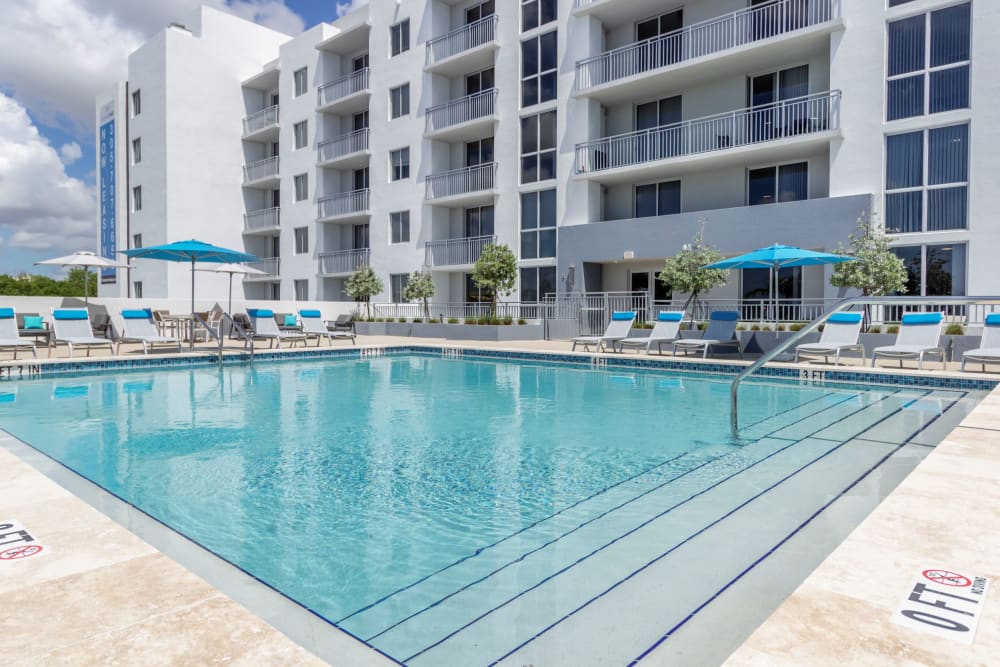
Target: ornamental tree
{"points": [[878, 271], [362, 285], [420, 286], [685, 272], [496, 270]]}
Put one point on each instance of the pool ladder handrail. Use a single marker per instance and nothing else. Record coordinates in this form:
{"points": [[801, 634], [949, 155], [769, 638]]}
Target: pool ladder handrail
{"points": [[836, 308], [219, 336]]}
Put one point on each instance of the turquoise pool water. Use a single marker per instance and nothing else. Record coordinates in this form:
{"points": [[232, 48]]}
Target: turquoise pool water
{"points": [[467, 512]]}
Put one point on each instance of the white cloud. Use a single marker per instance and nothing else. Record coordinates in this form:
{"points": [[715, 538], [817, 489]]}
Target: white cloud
{"points": [[345, 6], [70, 152], [149, 17]]}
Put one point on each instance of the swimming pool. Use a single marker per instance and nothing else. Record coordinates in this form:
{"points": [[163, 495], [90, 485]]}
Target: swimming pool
{"points": [[461, 511]]}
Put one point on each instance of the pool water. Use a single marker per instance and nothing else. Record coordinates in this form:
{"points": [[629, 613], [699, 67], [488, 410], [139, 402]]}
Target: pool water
{"points": [[464, 512]]}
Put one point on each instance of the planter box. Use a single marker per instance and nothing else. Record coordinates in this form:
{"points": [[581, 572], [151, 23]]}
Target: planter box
{"points": [[495, 332], [369, 328]]}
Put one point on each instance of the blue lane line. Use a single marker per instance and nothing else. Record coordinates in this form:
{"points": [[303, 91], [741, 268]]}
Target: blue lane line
{"points": [[620, 537]]}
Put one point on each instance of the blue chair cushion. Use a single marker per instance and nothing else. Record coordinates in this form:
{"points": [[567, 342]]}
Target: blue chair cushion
{"points": [[623, 315], [666, 316], [34, 322], [291, 321], [310, 313], [993, 320], [260, 312], [6, 313], [143, 314], [726, 316], [71, 314], [845, 318], [922, 318]]}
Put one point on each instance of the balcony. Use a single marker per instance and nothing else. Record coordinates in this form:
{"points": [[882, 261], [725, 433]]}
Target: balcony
{"points": [[262, 173], [462, 119], [345, 95], [348, 151], [742, 41], [264, 221], [464, 49], [456, 252], [343, 207], [343, 262], [467, 185], [271, 269], [724, 139], [262, 125]]}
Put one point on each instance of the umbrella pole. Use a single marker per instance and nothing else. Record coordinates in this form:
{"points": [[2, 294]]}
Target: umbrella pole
{"points": [[191, 332], [86, 276]]}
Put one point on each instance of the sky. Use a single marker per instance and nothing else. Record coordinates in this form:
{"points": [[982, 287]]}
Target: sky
{"points": [[56, 56]]}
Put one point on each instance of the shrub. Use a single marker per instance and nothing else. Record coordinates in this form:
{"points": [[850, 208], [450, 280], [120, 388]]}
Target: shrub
{"points": [[796, 326], [702, 326], [401, 320], [875, 329], [522, 321], [452, 320], [495, 321], [417, 320], [892, 329], [780, 327], [755, 327], [483, 320], [471, 320], [954, 329], [741, 327], [508, 320]]}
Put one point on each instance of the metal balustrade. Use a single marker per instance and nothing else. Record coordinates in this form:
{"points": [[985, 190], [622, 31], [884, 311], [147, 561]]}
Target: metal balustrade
{"points": [[345, 144], [462, 39], [461, 181], [271, 266], [344, 203], [738, 28], [260, 120], [456, 252], [355, 82], [461, 110], [344, 261], [789, 118], [260, 169], [265, 218], [458, 310]]}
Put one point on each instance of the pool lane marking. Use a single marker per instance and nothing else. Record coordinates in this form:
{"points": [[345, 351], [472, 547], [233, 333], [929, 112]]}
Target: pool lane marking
{"points": [[680, 544], [792, 534], [633, 530]]}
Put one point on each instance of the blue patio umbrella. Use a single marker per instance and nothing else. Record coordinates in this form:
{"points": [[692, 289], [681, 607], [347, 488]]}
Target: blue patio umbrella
{"points": [[190, 251]]}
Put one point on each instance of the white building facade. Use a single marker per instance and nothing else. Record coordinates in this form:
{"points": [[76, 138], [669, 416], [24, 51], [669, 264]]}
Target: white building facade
{"points": [[593, 137]]}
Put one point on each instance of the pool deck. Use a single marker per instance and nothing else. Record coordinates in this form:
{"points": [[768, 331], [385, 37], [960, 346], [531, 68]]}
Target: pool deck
{"points": [[103, 595]]}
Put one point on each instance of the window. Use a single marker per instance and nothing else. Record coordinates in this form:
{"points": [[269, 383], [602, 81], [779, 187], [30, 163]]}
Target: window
{"points": [[479, 152], [136, 151], [301, 182], [136, 102], [399, 227], [397, 285], [537, 282], [538, 224], [137, 289], [276, 198], [137, 198], [399, 163], [361, 239], [300, 78], [926, 180], [301, 288], [756, 283], [301, 131], [662, 52], [537, 12], [301, 240], [934, 270], [479, 221], [476, 294], [929, 63], [538, 147], [361, 179], [275, 291], [787, 182], [658, 199], [538, 69], [480, 11], [137, 240], [399, 101], [399, 36], [360, 121], [479, 81]]}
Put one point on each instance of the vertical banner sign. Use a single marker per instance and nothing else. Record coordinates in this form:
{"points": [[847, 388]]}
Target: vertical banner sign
{"points": [[109, 231]]}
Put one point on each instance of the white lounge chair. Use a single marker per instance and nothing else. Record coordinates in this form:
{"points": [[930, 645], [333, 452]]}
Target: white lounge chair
{"points": [[840, 333], [919, 335], [988, 351], [618, 328], [9, 337], [72, 327], [138, 326], [264, 326], [721, 332], [666, 330], [313, 326]]}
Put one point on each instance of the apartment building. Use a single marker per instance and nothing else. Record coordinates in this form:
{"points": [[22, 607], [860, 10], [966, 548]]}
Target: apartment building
{"points": [[593, 137]]}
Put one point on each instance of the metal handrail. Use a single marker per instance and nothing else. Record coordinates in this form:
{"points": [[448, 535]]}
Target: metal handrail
{"points": [[840, 306], [218, 335]]}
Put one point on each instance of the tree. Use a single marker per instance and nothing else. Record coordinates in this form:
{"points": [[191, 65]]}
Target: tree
{"points": [[685, 272], [496, 270], [26, 284], [420, 286], [363, 285], [878, 271]]}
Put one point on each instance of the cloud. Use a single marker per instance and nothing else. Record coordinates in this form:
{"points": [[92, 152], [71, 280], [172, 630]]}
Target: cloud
{"points": [[345, 6], [149, 17], [70, 152]]}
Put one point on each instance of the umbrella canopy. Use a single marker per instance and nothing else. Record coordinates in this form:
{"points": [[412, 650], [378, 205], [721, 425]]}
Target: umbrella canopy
{"points": [[234, 269], [85, 259]]}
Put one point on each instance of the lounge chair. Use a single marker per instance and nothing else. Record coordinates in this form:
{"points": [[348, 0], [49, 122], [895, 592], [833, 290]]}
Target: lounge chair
{"points": [[919, 335], [618, 328], [721, 332], [314, 327], [840, 332], [666, 330], [265, 326], [988, 351], [342, 323], [72, 326], [138, 326], [9, 337]]}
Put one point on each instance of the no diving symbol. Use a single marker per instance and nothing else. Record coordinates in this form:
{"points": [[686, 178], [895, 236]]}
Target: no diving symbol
{"points": [[943, 577], [20, 552]]}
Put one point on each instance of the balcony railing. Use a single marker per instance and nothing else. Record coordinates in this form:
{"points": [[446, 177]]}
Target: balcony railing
{"points": [[781, 120], [265, 218], [260, 169], [344, 261], [343, 204], [462, 110], [260, 120], [270, 267], [354, 82], [462, 39], [345, 144], [456, 252], [741, 27], [461, 181]]}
